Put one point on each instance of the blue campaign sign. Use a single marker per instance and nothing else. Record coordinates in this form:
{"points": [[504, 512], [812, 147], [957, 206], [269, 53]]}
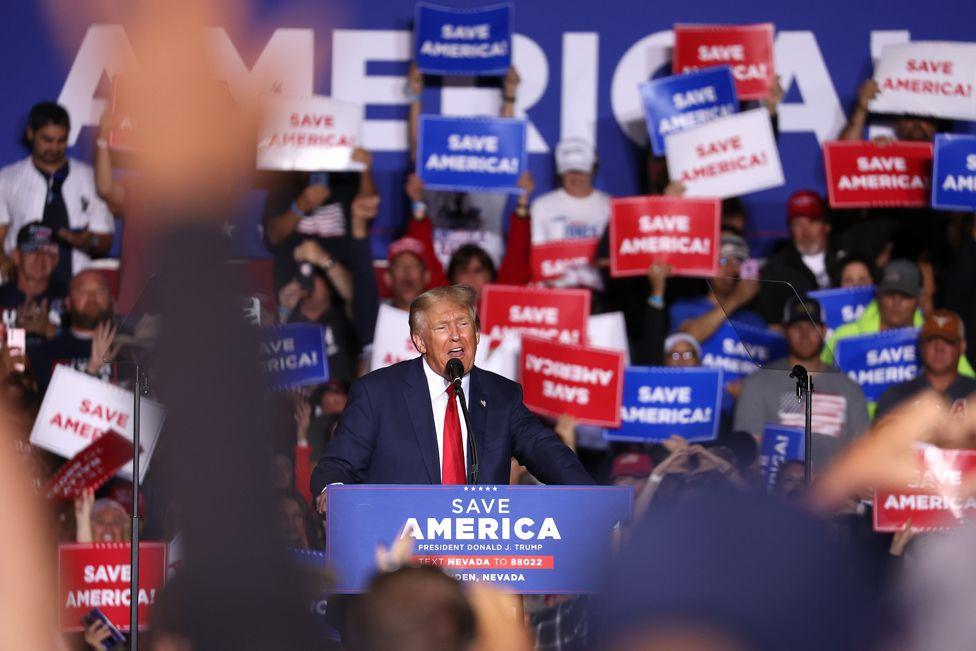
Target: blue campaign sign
{"points": [[954, 172], [480, 154], [844, 304], [527, 539], [740, 350], [878, 361], [779, 445], [659, 402], [294, 355], [673, 104], [463, 41]]}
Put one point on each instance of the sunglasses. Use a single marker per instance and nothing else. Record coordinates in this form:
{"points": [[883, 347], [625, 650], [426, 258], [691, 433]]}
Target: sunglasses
{"points": [[685, 355]]}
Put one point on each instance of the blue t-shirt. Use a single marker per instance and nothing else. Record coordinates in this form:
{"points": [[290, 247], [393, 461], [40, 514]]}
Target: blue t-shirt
{"points": [[693, 308]]}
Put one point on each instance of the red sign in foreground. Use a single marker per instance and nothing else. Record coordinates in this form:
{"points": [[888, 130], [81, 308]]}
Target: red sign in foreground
{"points": [[97, 575], [558, 314], [935, 499], [91, 467], [551, 260], [678, 231], [747, 49], [584, 382], [866, 174]]}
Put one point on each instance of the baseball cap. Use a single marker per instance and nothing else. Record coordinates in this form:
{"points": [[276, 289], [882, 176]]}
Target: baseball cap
{"points": [[575, 155], [405, 245], [942, 324], [733, 246], [804, 203], [34, 237], [901, 276], [679, 337], [631, 464], [803, 309]]}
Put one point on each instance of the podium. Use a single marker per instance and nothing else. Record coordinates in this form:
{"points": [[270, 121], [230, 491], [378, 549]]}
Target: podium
{"points": [[523, 539]]}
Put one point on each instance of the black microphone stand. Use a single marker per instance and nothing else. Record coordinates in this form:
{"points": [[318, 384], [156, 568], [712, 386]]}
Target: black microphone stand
{"points": [[141, 385], [472, 446], [804, 387]]}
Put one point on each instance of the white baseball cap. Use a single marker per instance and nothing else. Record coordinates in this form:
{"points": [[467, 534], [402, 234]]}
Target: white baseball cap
{"points": [[575, 155]]}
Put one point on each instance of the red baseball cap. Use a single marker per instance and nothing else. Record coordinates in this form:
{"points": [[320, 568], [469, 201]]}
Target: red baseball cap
{"points": [[805, 203], [631, 464], [405, 245]]}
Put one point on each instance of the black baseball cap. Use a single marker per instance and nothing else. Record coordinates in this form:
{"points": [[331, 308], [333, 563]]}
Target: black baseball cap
{"points": [[34, 237], [803, 309]]}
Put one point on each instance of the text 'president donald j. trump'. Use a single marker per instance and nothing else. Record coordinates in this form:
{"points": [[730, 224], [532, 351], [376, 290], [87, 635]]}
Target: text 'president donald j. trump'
{"points": [[403, 424]]}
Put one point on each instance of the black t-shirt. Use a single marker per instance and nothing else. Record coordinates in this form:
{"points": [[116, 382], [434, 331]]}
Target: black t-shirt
{"points": [[960, 389], [283, 189], [12, 299], [65, 349]]}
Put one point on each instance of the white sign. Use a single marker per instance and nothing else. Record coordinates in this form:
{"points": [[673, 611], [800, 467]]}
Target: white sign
{"points": [[391, 338], [927, 78], [310, 134], [608, 331], [726, 157], [79, 408], [503, 359]]}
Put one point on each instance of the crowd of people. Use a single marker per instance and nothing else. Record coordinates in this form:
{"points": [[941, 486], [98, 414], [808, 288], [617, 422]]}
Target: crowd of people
{"points": [[58, 221]]}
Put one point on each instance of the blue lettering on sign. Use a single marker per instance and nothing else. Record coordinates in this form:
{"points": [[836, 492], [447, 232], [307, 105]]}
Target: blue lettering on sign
{"points": [[463, 41], [674, 104], [659, 402], [878, 361], [471, 153], [531, 540], [954, 172], [294, 355]]}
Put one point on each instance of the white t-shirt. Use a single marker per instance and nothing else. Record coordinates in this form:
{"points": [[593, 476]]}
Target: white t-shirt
{"points": [[558, 216], [817, 263]]}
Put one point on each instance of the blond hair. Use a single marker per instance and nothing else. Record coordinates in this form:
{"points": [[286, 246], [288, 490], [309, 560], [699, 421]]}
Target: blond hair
{"points": [[461, 295]]}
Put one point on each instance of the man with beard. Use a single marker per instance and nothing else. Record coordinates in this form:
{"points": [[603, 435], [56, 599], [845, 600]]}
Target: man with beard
{"points": [[803, 262], [86, 339], [59, 191]]}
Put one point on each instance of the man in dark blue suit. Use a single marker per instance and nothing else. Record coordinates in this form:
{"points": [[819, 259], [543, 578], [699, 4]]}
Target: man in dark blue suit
{"points": [[400, 426]]}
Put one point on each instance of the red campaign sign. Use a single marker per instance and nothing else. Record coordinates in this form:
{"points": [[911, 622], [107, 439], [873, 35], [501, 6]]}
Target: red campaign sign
{"points": [[584, 382], [558, 314], [747, 49], [679, 231], [97, 575], [935, 499], [551, 260], [866, 174], [91, 467]]}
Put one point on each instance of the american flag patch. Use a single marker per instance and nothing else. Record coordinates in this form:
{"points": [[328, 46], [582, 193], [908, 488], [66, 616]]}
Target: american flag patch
{"points": [[829, 413], [326, 221]]}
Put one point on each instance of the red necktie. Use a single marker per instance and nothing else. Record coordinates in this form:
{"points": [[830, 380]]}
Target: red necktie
{"points": [[452, 468]]}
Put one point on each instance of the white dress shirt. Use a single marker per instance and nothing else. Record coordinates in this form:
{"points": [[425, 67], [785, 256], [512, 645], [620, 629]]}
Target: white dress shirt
{"points": [[438, 402]]}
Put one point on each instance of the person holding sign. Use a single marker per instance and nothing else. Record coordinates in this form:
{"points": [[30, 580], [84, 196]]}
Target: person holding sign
{"points": [[912, 128], [403, 424], [941, 345], [769, 396]]}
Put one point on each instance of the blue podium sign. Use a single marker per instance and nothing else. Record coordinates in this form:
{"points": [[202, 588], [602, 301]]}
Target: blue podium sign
{"points": [[954, 172], [527, 539], [463, 41], [480, 154], [659, 402], [293, 355]]}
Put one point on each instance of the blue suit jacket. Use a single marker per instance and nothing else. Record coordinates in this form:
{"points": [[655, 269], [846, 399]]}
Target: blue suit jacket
{"points": [[386, 434]]}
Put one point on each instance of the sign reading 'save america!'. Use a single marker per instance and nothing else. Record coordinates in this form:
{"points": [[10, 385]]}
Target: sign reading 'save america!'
{"points": [[309, 134], [927, 78], [866, 174], [747, 49], [584, 382], [527, 539], [679, 231], [557, 314], [936, 497]]}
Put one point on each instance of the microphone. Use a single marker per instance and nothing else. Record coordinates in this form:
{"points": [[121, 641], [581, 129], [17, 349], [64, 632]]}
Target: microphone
{"points": [[455, 371]]}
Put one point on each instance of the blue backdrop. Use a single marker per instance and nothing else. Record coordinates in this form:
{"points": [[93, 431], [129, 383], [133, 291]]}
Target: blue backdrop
{"points": [[580, 63]]}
